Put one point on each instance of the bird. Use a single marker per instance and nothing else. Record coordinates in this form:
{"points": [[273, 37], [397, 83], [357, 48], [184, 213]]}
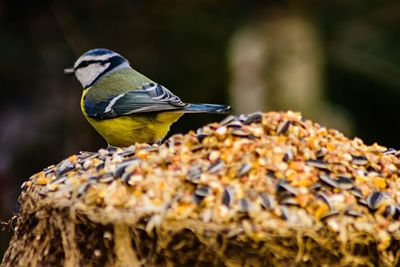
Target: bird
{"points": [[124, 106]]}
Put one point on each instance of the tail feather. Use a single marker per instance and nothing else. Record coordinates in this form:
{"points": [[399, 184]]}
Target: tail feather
{"points": [[207, 108]]}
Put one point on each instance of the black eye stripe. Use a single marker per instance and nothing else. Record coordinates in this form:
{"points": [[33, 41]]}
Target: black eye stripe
{"points": [[114, 61], [86, 63]]}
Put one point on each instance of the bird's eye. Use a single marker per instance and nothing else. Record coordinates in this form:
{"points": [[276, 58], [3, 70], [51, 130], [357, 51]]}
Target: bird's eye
{"points": [[84, 64]]}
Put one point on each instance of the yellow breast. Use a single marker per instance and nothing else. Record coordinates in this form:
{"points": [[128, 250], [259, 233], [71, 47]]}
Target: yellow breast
{"points": [[128, 130]]}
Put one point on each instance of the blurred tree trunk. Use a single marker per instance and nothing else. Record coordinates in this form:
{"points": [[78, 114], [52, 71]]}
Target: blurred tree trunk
{"points": [[277, 63]]}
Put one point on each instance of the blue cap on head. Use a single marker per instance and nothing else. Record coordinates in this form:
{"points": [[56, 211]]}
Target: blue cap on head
{"points": [[99, 55], [99, 51]]}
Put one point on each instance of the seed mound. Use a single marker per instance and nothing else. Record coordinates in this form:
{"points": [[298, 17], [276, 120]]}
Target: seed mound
{"points": [[265, 189]]}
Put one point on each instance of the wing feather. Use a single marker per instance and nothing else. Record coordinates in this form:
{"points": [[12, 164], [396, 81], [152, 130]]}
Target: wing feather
{"points": [[150, 98]]}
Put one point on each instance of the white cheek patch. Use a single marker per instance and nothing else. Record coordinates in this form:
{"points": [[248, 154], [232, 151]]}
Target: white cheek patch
{"points": [[88, 74]]}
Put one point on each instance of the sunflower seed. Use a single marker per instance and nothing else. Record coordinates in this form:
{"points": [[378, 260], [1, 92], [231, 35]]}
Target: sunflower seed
{"points": [[284, 213], [353, 213], [93, 178], [234, 124], [392, 211], [244, 205], [128, 152], [87, 155], [374, 200], [202, 191], [359, 160], [330, 215], [100, 166], [240, 133], [122, 166], [153, 148], [83, 154], [242, 117], [344, 183], [320, 164], [325, 198], [227, 120], [253, 118], [227, 197], [320, 154], [288, 156], [289, 201], [49, 170], [283, 188], [362, 201], [82, 189], [267, 202], [283, 127], [194, 174], [131, 179], [64, 167], [355, 191], [106, 178], [216, 167], [327, 180], [104, 153], [390, 151], [125, 177], [244, 170], [59, 180], [317, 186], [195, 148]]}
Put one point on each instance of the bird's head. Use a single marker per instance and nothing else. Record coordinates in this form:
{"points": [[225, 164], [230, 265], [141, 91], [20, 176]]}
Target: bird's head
{"points": [[96, 63]]}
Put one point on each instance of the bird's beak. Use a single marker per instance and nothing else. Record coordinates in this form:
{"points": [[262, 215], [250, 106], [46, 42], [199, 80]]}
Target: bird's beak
{"points": [[69, 71]]}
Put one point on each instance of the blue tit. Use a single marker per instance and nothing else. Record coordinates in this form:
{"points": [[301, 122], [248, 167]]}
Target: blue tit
{"points": [[124, 106]]}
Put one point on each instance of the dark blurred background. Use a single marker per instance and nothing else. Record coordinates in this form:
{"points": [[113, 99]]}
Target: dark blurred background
{"points": [[338, 62]]}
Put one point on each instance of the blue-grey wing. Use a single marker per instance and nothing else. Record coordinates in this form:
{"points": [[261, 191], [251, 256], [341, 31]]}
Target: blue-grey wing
{"points": [[150, 98]]}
